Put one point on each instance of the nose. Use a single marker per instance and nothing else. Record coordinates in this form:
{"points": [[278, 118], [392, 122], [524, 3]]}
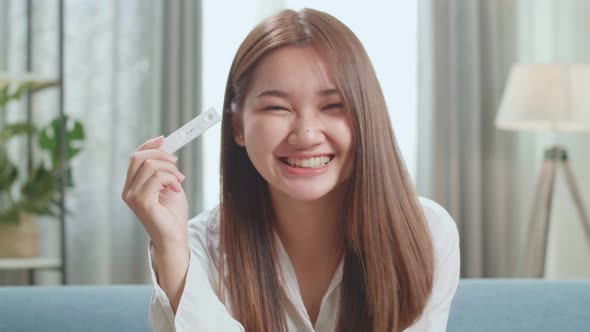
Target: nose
{"points": [[306, 131]]}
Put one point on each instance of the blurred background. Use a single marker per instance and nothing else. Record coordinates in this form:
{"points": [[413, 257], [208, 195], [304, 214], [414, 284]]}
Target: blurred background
{"points": [[104, 76]]}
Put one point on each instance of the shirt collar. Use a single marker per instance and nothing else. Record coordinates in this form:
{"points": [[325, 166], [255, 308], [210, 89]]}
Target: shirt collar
{"points": [[289, 278]]}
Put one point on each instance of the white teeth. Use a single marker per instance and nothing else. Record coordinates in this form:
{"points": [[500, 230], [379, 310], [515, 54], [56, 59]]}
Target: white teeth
{"points": [[308, 162]]}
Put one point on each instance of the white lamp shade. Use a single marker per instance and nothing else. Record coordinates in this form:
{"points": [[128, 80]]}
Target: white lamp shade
{"points": [[546, 97]]}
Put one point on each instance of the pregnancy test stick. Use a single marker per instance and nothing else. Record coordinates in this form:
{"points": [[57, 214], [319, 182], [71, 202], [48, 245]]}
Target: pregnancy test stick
{"points": [[190, 130]]}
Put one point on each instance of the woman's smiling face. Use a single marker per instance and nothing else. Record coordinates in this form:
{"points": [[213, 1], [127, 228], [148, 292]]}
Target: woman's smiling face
{"points": [[294, 125]]}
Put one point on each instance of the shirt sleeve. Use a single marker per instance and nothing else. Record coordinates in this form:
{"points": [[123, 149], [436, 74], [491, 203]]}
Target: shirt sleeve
{"points": [[446, 276], [199, 309]]}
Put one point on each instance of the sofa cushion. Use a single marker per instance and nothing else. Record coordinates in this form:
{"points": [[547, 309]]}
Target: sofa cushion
{"points": [[480, 305], [75, 308], [511, 305]]}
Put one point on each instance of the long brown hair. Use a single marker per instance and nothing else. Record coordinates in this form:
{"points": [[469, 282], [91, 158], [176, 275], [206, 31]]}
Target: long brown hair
{"points": [[389, 259]]}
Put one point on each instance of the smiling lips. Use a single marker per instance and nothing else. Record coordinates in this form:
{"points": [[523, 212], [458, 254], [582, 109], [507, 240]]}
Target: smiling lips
{"points": [[309, 163]]}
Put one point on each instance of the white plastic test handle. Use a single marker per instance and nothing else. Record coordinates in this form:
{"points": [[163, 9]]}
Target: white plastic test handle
{"points": [[190, 130]]}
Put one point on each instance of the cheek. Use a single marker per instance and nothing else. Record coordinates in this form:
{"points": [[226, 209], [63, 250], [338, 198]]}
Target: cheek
{"points": [[346, 145], [263, 134], [342, 132]]}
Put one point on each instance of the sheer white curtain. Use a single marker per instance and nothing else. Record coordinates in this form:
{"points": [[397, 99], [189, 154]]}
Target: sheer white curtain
{"points": [[112, 65], [466, 49], [112, 70]]}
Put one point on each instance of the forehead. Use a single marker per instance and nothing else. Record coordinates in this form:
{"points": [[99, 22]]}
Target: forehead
{"points": [[294, 69]]}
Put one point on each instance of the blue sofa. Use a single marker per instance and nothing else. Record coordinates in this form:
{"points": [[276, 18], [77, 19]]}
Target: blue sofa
{"points": [[493, 305]]}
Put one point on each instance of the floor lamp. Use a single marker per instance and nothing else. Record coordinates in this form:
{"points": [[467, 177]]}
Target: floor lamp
{"points": [[552, 98]]}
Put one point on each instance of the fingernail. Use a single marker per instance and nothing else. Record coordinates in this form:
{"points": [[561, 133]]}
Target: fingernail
{"points": [[182, 177], [157, 138]]}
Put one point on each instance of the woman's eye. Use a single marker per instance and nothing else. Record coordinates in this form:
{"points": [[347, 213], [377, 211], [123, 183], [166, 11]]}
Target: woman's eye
{"points": [[274, 108], [333, 106]]}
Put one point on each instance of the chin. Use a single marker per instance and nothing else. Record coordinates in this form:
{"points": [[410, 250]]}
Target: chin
{"points": [[306, 197], [307, 194]]}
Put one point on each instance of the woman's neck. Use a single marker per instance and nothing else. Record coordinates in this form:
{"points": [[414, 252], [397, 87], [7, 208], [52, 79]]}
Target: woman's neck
{"points": [[310, 231]]}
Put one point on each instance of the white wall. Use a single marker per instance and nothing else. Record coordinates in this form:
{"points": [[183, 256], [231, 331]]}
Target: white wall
{"points": [[387, 29]]}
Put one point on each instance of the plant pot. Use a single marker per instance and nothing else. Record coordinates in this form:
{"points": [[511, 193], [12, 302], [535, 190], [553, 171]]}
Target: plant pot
{"points": [[20, 240]]}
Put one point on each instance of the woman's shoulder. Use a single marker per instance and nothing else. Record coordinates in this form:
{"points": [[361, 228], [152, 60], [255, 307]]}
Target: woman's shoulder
{"points": [[443, 228]]}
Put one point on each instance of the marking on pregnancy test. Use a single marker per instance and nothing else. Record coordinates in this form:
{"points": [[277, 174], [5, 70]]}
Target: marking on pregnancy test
{"points": [[190, 130]]}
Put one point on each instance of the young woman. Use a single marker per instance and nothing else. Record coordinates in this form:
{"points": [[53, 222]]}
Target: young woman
{"points": [[319, 226]]}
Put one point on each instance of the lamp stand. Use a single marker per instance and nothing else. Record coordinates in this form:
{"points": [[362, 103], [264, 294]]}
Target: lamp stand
{"points": [[534, 258]]}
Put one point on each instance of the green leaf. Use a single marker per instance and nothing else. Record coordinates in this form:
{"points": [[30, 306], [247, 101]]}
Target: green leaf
{"points": [[9, 210], [4, 96], [11, 216], [47, 211], [40, 190], [50, 135], [22, 88], [12, 130], [8, 171]]}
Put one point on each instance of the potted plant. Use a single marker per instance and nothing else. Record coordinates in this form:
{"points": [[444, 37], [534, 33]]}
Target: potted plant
{"points": [[24, 195]]}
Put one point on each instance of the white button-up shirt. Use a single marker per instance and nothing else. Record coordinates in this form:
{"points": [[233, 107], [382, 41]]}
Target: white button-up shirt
{"points": [[200, 308]]}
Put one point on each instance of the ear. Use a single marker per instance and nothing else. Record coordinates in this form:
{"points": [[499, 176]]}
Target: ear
{"points": [[239, 139], [238, 132], [237, 128]]}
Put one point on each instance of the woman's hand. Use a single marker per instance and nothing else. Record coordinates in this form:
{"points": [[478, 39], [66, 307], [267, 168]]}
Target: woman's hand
{"points": [[154, 193]]}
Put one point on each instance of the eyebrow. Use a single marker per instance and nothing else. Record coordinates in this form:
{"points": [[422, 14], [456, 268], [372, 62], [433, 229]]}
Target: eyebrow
{"points": [[282, 94]]}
